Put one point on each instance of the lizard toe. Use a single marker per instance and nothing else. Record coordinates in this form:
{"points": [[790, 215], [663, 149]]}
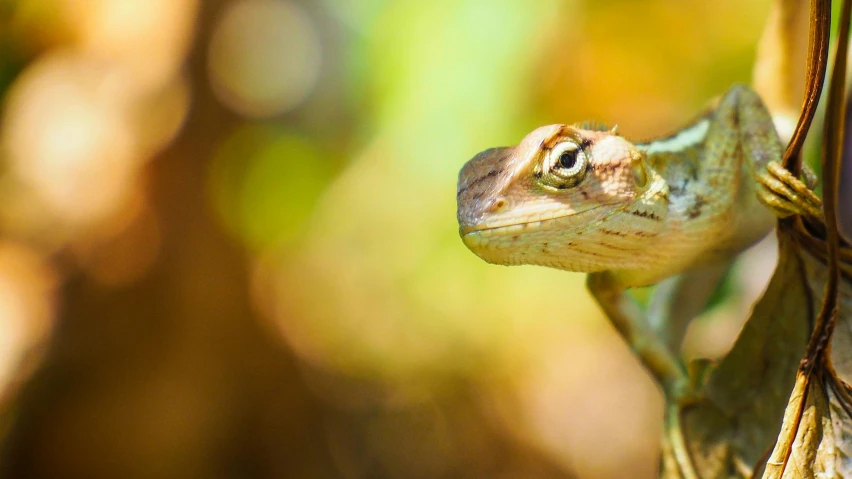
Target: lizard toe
{"points": [[785, 194]]}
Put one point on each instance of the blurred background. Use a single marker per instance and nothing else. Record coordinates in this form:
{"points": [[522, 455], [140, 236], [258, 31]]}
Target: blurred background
{"points": [[229, 246]]}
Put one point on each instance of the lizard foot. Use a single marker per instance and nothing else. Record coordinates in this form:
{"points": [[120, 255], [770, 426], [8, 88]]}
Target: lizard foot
{"points": [[787, 195], [677, 443], [675, 437], [679, 397]]}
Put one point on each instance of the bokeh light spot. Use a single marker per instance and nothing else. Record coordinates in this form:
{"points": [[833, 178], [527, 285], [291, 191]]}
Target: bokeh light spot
{"points": [[265, 183], [67, 136], [147, 38], [264, 57]]}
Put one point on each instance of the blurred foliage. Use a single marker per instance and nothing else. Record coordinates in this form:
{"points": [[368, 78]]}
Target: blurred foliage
{"points": [[233, 246]]}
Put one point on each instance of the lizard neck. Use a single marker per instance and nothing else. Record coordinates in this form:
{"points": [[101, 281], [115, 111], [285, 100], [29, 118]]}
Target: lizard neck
{"points": [[686, 210]]}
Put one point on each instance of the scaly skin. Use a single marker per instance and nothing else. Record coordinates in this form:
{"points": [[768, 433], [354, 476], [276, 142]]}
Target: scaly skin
{"points": [[634, 214]]}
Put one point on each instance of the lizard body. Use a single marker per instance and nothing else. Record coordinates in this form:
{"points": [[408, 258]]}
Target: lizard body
{"points": [[633, 214]]}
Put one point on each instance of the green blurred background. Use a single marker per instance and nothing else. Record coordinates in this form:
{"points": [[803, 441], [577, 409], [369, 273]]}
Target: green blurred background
{"points": [[229, 246]]}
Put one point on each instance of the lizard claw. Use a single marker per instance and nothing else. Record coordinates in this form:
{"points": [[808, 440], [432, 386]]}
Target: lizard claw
{"points": [[787, 195], [811, 179]]}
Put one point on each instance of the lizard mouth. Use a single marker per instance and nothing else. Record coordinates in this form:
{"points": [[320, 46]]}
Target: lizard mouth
{"points": [[467, 231]]}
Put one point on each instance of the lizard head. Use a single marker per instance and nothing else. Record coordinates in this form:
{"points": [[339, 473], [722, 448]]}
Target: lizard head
{"points": [[552, 199]]}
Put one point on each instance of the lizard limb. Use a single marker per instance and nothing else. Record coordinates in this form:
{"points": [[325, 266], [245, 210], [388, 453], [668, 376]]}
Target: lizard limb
{"points": [[629, 320], [656, 355]]}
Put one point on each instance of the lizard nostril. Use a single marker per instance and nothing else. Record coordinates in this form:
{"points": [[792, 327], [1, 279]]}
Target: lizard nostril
{"points": [[499, 205]]}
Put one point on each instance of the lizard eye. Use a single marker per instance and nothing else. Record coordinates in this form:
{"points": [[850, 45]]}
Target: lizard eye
{"points": [[565, 165]]}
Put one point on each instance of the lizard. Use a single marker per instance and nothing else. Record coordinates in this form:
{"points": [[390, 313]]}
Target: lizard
{"points": [[674, 210]]}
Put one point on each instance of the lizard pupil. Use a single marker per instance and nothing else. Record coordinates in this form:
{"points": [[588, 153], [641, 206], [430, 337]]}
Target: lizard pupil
{"points": [[568, 159]]}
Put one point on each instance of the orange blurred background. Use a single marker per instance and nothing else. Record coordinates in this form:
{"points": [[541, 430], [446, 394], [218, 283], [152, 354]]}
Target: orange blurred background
{"points": [[229, 245]]}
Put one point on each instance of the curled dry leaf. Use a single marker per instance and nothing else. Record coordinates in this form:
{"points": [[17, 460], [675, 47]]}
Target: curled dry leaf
{"points": [[816, 436]]}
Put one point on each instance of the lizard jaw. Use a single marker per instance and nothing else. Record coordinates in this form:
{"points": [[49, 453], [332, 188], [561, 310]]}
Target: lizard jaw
{"points": [[499, 244], [466, 230]]}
